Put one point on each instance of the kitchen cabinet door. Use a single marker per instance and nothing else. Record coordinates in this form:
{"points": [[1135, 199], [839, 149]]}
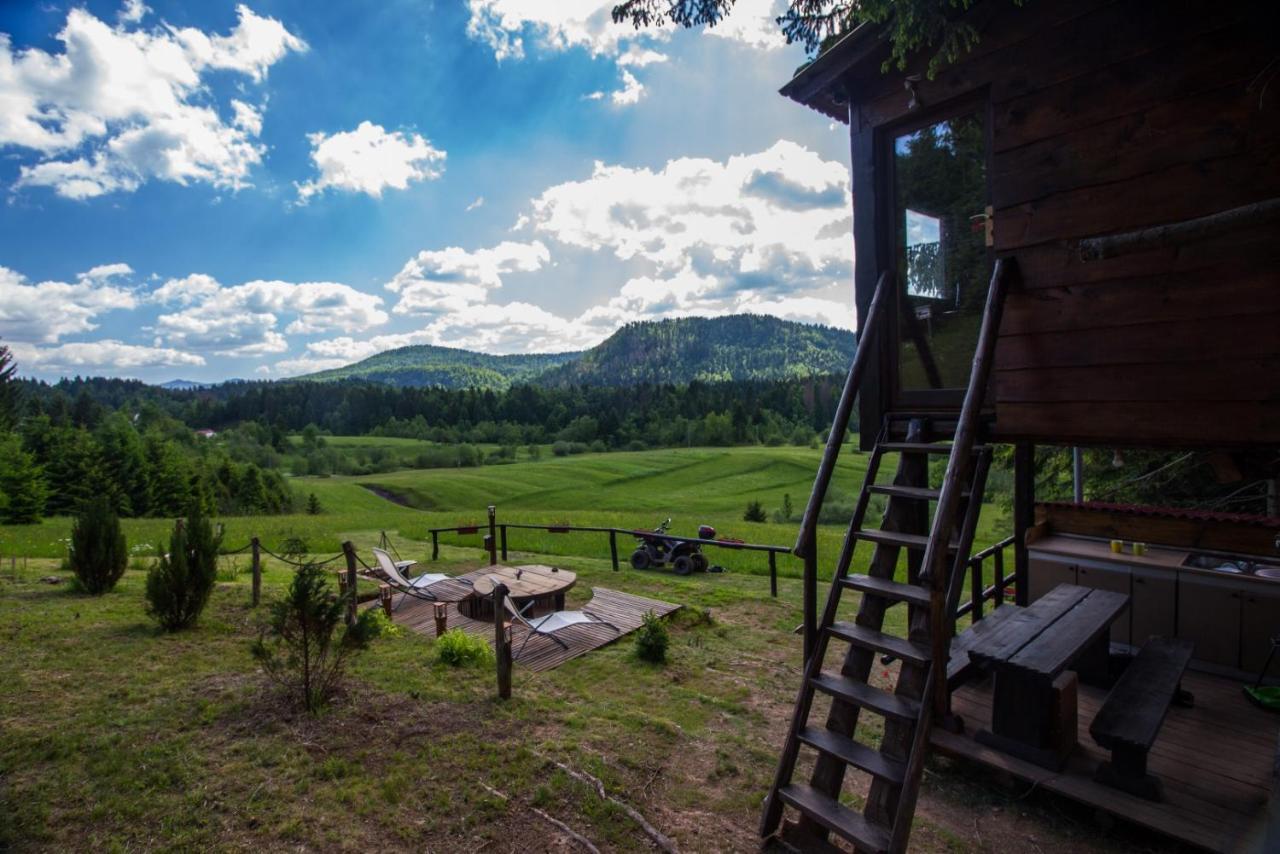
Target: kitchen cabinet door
{"points": [[1153, 604], [1114, 578], [1044, 574], [1209, 615], [1259, 622]]}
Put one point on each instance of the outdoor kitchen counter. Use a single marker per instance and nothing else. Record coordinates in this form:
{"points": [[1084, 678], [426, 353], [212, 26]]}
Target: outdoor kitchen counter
{"points": [[1156, 557]]}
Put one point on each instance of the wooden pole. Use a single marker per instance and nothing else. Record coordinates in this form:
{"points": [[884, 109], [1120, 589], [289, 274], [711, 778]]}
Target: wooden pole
{"points": [[613, 549], [997, 561], [1024, 503], [502, 641], [256, 547], [773, 574], [502, 532], [350, 551], [435, 545], [810, 594], [441, 610], [976, 589], [493, 539], [384, 597]]}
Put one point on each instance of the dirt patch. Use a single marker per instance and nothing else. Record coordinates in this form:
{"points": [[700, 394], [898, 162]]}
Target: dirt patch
{"points": [[392, 496]]}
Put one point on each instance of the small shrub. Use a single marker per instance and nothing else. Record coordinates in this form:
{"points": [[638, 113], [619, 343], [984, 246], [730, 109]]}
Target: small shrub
{"points": [[652, 640], [755, 513], [560, 449], [298, 648], [98, 553], [313, 505], [456, 648], [179, 584], [295, 548]]}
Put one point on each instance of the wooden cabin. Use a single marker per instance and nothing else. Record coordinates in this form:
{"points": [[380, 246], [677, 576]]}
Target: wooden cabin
{"points": [[1117, 165]]}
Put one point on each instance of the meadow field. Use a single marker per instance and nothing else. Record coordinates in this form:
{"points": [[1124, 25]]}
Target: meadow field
{"points": [[620, 489]]}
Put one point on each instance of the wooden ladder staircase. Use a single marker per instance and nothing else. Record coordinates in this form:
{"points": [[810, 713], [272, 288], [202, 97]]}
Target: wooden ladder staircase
{"points": [[936, 547]]}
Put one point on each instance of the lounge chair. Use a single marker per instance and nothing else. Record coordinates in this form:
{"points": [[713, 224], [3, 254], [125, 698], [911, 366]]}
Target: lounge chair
{"points": [[419, 587], [548, 624]]}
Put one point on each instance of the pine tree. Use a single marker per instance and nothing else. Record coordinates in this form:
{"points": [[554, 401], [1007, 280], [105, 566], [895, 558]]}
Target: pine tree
{"points": [[23, 491], [98, 553], [8, 390], [178, 586], [313, 505]]}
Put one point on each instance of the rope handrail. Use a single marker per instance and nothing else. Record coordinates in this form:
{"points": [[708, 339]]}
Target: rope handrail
{"points": [[325, 562]]}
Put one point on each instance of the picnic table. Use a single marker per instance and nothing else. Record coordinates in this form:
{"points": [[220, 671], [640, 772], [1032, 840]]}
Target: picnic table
{"points": [[1068, 628], [543, 586]]}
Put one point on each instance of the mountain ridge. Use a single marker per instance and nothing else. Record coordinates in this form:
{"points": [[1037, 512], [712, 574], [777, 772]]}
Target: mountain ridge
{"points": [[673, 351]]}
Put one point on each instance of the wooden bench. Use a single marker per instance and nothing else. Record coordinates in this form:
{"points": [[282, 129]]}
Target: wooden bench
{"points": [[1131, 717]]}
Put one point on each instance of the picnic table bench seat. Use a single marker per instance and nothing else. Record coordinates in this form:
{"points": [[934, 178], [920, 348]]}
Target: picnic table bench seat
{"points": [[1135, 709]]}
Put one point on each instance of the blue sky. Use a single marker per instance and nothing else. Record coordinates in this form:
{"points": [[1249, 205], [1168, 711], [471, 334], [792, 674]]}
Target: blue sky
{"points": [[214, 190]]}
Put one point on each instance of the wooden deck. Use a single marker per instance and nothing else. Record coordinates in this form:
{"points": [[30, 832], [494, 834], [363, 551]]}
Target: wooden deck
{"points": [[624, 610], [1215, 760]]}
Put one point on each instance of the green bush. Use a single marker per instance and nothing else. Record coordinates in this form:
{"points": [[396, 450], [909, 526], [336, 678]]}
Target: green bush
{"points": [[298, 648], [755, 512], [652, 640], [178, 586], [456, 648], [98, 553]]}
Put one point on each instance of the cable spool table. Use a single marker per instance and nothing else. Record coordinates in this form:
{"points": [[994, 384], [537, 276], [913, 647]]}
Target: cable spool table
{"points": [[544, 586]]}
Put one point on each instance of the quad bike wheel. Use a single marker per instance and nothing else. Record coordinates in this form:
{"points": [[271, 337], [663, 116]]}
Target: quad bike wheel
{"points": [[700, 562], [682, 565], [640, 559]]}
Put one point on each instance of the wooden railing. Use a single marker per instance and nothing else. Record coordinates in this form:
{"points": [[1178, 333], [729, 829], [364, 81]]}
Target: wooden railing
{"points": [[979, 592], [807, 542]]}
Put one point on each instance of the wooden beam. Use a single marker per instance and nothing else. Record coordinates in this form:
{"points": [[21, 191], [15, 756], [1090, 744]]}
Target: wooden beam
{"points": [[1111, 245], [1024, 502]]}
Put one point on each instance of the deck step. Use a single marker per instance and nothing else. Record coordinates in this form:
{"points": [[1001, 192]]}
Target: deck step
{"points": [[852, 753], [880, 642], [920, 493], [895, 590], [863, 695], [918, 542], [836, 817]]}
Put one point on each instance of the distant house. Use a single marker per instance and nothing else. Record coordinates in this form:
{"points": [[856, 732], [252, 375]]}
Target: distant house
{"points": [[206, 433]]}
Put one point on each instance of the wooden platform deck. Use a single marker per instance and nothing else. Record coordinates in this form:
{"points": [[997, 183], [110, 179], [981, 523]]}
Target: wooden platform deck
{"points": [[625, 610], [1215, 760]]}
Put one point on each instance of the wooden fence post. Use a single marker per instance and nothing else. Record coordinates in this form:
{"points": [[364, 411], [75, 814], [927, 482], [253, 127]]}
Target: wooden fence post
{"points": [[613, 549], [493, 538], [997, 561], [256, 550], [502, 641], [350, 551], [977, 589], [435, 545], [773, 574], [502, 531]]}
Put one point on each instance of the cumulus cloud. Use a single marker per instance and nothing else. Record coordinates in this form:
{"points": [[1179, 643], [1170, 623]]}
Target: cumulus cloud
{"points": [[252, 319], [435, 282], [45, 312], [121, 105], [105, 357], [369, 160]]}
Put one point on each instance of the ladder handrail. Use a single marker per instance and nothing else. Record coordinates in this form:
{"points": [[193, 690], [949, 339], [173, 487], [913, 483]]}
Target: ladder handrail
{"points": [[840, 423], [934, 565]]}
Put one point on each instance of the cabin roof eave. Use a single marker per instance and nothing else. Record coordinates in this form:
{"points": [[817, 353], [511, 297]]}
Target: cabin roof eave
{"points": [[812, 85]]}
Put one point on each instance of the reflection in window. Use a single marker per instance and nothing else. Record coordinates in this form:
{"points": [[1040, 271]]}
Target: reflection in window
{"points": [[925, 276]]}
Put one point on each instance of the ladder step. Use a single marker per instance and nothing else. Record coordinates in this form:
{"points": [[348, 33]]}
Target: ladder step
{"points": [[896, 538], [922, 447], [870, 585], [836, 817], [880, 642], [852, 753], [863, 695], [920, 493]]}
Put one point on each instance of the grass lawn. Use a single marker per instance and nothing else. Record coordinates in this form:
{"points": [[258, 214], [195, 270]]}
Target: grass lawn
{"points": [[116, 737]]}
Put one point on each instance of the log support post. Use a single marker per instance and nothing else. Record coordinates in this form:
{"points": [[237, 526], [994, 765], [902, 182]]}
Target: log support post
{"points": [[502, 535], [502, 641], [256, 550], [350, 552], [441, 610], [384, 597], [492, 538], [435, 545], [1024, 512], [613, 549], [773, 574], [810, 595]]}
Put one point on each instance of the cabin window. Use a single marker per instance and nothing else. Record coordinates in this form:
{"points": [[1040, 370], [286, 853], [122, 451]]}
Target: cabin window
{"points": [[940, 199]]}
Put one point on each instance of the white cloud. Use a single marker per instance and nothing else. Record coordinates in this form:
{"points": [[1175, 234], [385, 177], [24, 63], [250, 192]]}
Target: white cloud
{"points": [[435, 282], [630, 93], [369, 160], [752, 23], [107, 356], [121, 105], [48, 311], [478, 203], [132, 12], [504, 25], [246, 320], [639, 57], [103, 272]]}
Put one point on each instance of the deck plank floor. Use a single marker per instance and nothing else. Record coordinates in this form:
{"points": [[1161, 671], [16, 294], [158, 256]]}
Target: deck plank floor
{"points": [[625, 610], [1215, 760]]}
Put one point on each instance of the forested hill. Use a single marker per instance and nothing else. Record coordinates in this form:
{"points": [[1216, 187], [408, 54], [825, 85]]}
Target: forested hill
{"points": [[446, 367], [738, 347], [720, 349]]}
